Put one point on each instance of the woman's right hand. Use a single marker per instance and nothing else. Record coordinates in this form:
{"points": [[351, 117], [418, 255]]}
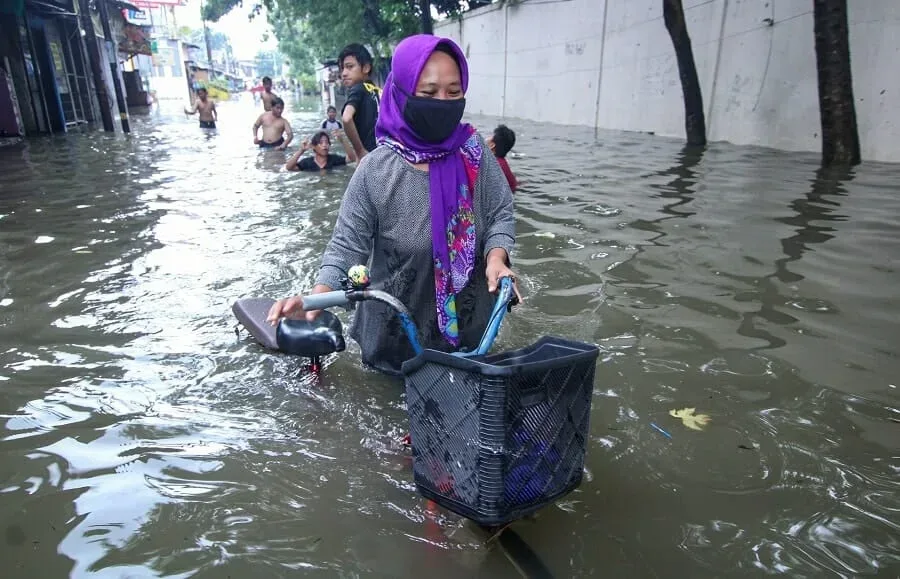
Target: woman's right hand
{"points": [[293, 308], [287, 308]]}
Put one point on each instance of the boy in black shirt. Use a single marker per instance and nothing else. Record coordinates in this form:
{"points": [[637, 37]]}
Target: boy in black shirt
{"points": [[322, 158], [361, 109]]}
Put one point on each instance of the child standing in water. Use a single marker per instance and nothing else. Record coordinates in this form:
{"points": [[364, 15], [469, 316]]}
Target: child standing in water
{"points": [[206, 108], [331, 123], [501, 143], [267, 96], [360, 112], [277, 133]]}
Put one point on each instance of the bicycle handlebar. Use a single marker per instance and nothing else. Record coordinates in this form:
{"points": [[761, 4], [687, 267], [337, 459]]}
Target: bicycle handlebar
{"points": [[505, 299], [325, 300]]}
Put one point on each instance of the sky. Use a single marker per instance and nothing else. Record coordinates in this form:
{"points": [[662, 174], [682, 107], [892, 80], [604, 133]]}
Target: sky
{"points": [[245, 35]]}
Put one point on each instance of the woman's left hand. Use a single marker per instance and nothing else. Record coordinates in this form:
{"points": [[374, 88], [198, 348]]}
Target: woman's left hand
{"points": [[497, 269]]}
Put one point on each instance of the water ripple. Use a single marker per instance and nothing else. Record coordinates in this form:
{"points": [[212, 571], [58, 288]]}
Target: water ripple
{"points": [[143, 438]]}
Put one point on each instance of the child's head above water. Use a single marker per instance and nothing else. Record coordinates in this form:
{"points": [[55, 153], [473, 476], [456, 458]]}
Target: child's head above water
{"points": [[332, 113], [320, 142], [277, 106], [502, 141]]}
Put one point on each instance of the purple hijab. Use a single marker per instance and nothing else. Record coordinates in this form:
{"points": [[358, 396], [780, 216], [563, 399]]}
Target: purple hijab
{"points": [[453, 167]]}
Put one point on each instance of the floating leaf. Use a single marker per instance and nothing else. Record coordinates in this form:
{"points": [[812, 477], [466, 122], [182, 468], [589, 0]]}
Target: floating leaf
{"points": [[691, 420]]}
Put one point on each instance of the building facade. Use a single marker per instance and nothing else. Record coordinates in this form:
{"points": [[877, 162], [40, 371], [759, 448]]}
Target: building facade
{"points": [[46, 80]]}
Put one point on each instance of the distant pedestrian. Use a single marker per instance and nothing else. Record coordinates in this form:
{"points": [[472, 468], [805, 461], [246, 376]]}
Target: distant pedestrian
{"points": [[331, 123], [277, 133], [206, 108], [267, 95]]}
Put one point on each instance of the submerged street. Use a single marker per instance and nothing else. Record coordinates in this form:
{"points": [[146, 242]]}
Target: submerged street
{"points": [[141, 438]]}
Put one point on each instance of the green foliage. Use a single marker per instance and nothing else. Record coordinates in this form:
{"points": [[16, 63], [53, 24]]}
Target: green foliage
{"points": [[316, 30], [291, 36], [217, 40], [268, 63], [214, 9], [309, 84]]}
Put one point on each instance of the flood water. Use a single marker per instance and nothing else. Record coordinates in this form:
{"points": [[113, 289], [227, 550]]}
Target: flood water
{"points": [[140, 437]]}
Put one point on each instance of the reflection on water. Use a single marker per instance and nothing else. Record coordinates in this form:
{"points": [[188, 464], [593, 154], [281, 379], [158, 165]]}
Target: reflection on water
{"points": [[141, 438]]}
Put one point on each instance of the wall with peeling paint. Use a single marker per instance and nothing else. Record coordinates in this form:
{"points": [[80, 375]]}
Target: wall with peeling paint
{"points": [[610, 64]]}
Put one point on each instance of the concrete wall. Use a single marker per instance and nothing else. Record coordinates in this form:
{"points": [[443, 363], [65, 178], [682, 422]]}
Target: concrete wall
{"points": [[610, 64], [170, 88], [163, 81]]}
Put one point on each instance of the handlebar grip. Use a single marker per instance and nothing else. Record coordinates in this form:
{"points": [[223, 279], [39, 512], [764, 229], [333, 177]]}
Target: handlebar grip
{"points": [[325, 300], [506, 293]]}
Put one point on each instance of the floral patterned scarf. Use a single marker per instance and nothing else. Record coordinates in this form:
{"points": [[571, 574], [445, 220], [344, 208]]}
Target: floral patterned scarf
{"points": [[452, 178]]}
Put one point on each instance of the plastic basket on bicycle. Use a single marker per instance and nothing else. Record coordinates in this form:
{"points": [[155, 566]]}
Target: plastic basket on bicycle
{"points": [[497, 437]]}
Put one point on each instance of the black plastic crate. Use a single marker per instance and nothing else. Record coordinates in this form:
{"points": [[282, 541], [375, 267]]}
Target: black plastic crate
{"points": [[498, 437]]}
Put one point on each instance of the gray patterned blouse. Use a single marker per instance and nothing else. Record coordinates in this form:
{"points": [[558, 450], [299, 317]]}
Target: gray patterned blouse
{"points": [[385, 222]]}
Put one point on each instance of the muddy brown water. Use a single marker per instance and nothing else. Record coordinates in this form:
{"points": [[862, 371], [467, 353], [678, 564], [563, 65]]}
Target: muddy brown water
{"points": [[141, 438]]}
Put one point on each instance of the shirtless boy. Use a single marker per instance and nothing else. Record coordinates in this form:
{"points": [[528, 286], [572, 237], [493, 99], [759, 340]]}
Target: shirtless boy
{"points": [[276, 131], [267, 96], [206, 108]]}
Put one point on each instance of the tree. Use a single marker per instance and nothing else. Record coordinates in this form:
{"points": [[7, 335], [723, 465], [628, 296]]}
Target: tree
{"points": [[425, 17], [299, 40], [840, 139], [694, 119], [291, 35], [215, 9], [326, 27], [268, 63], [218, 41]]}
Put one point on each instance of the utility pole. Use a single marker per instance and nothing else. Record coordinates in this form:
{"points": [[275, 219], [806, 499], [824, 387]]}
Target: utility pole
{"points": [[114, 66], [90, 39], [212, 68]]}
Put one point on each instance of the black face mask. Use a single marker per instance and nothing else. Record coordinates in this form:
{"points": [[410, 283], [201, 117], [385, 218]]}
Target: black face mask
{"points": [[433, 119]]}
